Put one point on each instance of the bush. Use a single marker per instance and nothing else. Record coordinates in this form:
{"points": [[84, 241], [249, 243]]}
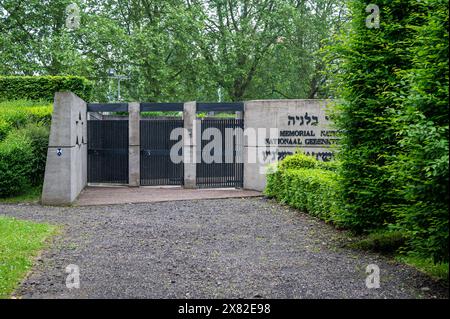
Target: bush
{"points": [[295, 161], [421, 167], [17, 114], [5, 127], [306, 184], [16, 160], [38, 136], [43, 87], [298, 160], [312, 191]]}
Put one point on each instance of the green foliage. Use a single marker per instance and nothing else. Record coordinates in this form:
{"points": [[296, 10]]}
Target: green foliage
{"points": [[5, 127], [174, 50], [38, 136], [370, 63], [310, 190], [16, 160], [300, 182], [19, 113], [20, 241], [298, 160], [42, 87], [28, 195], [421, 167], [393, 82], [427, 265], [388, 242]]}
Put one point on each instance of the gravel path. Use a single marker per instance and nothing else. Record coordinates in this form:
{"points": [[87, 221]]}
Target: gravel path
{"points": [[230, 248]]}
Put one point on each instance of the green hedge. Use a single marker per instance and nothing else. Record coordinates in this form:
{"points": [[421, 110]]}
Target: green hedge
{"points": [[43, 87], [18, 114], [16, 161], [38, 136], [306, 184]]}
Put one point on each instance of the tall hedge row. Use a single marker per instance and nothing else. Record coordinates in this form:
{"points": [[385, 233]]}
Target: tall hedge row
{"points": [[16, 163], [43, 87], [393, 82], [420, 169]]}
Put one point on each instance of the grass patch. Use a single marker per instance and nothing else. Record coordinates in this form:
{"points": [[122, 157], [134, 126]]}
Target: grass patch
{"points": [[437, 271], [30, 195], [390, 243], [381, 242], [20, 241]]}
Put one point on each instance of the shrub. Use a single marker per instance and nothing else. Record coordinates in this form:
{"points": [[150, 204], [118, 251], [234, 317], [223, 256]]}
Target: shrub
{"points": [[16, 160], [306, 184], [329, 166], [371, 61], [295, 161], [298, 160], [17, 114], [43, 87], [312, 191], [5, 127], [421, 167], [38, 136]]}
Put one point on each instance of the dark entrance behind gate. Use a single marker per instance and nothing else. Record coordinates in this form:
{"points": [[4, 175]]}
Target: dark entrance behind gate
{"points": [[224, 173], [157, 168], [107, 146]]}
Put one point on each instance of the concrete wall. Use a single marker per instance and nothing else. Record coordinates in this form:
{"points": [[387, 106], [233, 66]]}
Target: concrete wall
{"points": [[134, 150], [66, 167], [190, 144], [284, 127], [280, 127]]}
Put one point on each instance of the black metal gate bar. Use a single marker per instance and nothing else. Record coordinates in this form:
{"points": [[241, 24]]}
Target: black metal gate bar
{"points": [[157, 167], [221, 174], [108, 151]]}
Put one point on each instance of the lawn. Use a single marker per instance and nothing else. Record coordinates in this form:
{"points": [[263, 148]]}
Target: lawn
{"points": [[20, 242]]}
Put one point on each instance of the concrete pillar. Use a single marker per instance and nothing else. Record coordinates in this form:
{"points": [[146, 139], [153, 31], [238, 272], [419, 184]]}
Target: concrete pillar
{"points": [[66, 166], [134, 153], [190, 144]]}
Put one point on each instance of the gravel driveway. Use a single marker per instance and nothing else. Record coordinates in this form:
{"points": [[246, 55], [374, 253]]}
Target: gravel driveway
{"points": [[229, 248]]}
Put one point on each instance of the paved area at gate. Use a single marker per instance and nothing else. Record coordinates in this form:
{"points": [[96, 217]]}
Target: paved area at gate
{"points": [[231, 248], [127, 195]]}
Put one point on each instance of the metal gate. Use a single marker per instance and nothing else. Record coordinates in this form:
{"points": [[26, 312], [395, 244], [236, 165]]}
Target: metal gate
{"points": [[157, 168], [227, 172], [107, 151]]}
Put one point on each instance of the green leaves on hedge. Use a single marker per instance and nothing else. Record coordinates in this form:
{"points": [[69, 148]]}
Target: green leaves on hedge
{"points": [[394, 154], [43, 87], [306, 184], [16, 160]]}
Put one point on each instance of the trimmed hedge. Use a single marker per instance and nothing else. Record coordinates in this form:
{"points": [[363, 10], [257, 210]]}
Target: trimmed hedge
{"points": [[306, 184], [43, 87], [18, 114], [16, 160], [38, 136]]}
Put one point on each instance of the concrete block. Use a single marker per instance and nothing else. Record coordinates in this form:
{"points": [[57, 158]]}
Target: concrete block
{"points": [[66, 166], [190, 151], [276, 128], [134, 151]]}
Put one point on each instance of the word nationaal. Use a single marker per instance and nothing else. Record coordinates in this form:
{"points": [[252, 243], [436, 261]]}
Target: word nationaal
{"points": [[298, 141]]}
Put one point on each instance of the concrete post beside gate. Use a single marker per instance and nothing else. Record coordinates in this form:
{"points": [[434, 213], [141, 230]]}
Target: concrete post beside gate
{"points": [[66, 166], [134, 152], [190, 145]]}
